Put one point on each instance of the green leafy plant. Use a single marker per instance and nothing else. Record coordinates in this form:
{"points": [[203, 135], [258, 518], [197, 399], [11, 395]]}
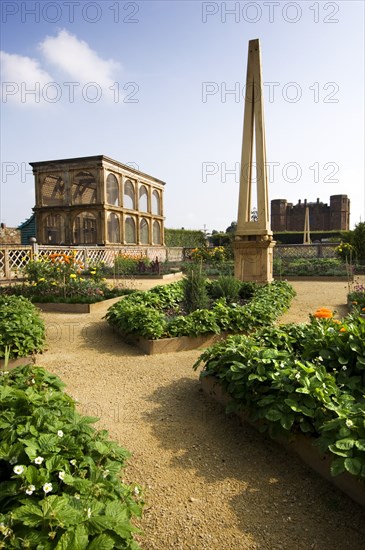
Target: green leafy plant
{"points": [[356, 298], [195, 290], [162, 314], [22, 331], [226, 287], [309, 267], [62, 278], [59, 477], [300, 378]]}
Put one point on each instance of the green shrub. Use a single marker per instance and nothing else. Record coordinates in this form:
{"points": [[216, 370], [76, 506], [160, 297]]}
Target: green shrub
{"points": [[59, 477], [195, 290], [225, 287], [125, 265], [186, 238], [21, 329]]}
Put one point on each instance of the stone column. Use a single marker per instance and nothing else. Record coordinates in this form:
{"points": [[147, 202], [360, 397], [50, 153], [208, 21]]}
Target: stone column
{"points": [[253, 245]]}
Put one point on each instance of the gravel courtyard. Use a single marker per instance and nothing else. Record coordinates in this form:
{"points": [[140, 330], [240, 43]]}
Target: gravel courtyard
{"points": [[209, 482]]}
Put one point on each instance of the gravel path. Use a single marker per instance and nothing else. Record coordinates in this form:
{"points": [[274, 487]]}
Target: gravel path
{"points": [[210, 483]]}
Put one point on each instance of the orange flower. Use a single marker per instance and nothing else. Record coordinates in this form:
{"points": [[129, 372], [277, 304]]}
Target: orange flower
{"points": [[323, 313], [337, 321], [363, 309], [342, 329]]}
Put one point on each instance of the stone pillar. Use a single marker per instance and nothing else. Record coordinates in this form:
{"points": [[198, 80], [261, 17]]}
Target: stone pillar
{"points": [[253, 245]]}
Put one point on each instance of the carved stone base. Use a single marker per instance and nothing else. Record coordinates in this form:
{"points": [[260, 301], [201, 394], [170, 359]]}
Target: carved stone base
{"points": [[253, 259]]}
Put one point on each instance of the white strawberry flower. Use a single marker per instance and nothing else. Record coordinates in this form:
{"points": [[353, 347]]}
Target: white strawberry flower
{"points": [[38, 460], [18, 469], [60, 433], [47, 487], [61, 474], [30, 489]]}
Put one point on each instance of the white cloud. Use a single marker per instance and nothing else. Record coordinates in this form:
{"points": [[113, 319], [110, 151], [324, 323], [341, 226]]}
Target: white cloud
{"points": [[75, 58], [20, 75]]}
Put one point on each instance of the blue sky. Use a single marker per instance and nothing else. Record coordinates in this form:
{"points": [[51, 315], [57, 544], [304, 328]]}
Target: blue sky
{"points": [[148, 83]]}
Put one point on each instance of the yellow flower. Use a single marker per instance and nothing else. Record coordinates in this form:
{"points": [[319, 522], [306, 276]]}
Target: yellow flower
{"points": [[41, 279], [93, 272], [73, 276]]}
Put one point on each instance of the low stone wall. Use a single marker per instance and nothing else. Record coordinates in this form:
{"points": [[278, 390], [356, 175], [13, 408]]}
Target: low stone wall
{"points": [[10, 235]]}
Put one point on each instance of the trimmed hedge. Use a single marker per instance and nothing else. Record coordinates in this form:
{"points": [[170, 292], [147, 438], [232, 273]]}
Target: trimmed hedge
{"points": [[187, 238], [296, 237]]}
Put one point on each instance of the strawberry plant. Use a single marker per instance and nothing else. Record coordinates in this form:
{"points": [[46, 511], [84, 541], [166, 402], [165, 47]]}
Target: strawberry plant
{"points": [[59, 476], [301, 378], [22, 331]]}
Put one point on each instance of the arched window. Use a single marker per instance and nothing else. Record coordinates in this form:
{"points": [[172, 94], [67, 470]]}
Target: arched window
{"points": [[83, 189], [129, 196], [156, 229], [143, 199], [156, 206], [84, 228], [113, 228], [144, 232], [130, 231], [54, 229], [112, 190], [53, 191]]}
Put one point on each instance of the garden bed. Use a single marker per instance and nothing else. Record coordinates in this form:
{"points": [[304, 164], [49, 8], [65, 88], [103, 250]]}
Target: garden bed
{"points": [[300, 444], [311, 278], [162, 314], [165, 276], [60, 307], [172, 345]]}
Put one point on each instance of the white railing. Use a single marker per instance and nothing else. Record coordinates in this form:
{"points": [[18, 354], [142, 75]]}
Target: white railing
{"points": [[13, 258]]}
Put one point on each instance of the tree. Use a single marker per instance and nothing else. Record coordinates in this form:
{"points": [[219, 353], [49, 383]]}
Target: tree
{"points": [[232, 228], [358, 241]]}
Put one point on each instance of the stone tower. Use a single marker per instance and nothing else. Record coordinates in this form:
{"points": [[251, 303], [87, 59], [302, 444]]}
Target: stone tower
{"points": [[253, 245]]}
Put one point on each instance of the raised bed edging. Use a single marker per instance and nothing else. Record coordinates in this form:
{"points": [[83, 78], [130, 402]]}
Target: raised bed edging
{"points": [[309, 278], [172, 345], [59, 307], [12, 363], [300, 444], [156, 276]]}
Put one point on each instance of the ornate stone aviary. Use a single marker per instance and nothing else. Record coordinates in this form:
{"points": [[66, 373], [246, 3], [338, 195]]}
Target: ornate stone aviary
{"points": [[253, 246]]}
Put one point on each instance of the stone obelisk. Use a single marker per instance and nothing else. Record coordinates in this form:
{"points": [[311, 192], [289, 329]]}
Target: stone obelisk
{"points": [[307, 235], [253, 244]]}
